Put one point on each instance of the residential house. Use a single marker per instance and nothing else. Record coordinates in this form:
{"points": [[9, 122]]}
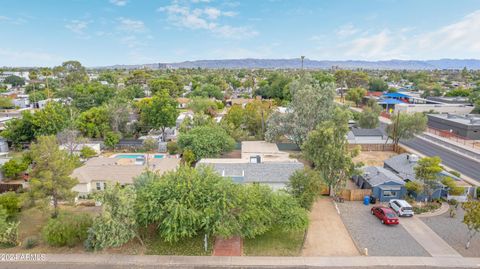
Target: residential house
{"points": [[183, 102], [98, 172], [385, 185], [369, 139], [403, 165], [260, 162]]}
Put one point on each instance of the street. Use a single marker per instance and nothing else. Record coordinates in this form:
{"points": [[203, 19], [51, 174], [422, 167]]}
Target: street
{"points": [[453, 160]]}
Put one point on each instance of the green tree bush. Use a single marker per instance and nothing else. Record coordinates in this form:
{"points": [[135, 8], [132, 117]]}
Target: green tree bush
{"points": [[206, 141], [10, 201], [87, 152], [305, 185], [67, 229]]}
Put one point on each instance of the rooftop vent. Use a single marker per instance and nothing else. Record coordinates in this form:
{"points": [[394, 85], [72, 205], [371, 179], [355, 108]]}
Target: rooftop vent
{"points": [[412, 158], [255, 159]]}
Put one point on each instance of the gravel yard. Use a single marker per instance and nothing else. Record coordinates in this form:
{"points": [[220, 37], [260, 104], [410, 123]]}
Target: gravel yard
{"points": [[381, 240], [454, 232]]}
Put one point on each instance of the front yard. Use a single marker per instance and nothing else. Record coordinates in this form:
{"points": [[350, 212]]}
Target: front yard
{"points": [[373, 158], [454, 232], [275, 243]]}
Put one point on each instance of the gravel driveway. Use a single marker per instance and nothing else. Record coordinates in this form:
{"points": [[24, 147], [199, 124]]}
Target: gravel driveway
{"points": [[381, 240], [454, 232]]}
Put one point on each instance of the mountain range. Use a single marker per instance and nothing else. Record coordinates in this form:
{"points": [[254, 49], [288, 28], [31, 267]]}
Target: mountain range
{"points": [[250, 63]]}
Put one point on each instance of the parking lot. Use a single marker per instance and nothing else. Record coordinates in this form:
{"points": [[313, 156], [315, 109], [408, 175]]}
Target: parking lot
{"points": [[380, 240]]}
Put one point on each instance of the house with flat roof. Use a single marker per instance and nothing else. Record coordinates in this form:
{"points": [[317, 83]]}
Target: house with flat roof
{"points": [[260, 162], [98, 172], [467, 126]]}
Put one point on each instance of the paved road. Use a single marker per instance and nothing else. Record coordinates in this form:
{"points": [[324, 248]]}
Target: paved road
{"points": [[451, 159], [426, 237], [85, 261]]}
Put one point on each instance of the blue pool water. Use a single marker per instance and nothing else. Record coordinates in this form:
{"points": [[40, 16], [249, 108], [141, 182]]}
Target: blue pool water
{"points": [[159, 156], [129, 156]]}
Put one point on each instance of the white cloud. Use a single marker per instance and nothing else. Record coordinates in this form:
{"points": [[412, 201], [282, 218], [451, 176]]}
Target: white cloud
{"points": [[17, 20], [346, 30], [132, 26], [119, 3], [78, 27], [205, 19], [459, 36], [27, 58]]}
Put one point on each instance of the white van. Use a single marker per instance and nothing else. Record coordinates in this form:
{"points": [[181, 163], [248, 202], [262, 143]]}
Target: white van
{"points": [[401, 207]]}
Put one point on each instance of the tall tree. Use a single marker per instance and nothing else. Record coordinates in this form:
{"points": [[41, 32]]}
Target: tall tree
{"points": [[51, 172], [159, 112], [356, 95], [471, 219], [327, 148], [312, 103], [206, 141], [117, 223], [52, 119], [74, 73], [406, 126], [426, 171]]}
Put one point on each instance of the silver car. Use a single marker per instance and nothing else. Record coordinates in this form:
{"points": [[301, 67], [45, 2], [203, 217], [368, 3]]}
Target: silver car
{"points": [[401, 207]]}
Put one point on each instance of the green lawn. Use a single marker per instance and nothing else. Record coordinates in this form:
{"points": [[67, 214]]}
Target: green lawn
{"points": [[275, 243], [188, 247]]}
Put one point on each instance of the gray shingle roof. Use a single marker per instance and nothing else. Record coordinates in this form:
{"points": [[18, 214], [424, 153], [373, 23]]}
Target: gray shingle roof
{"points": [[258, 172], [367, 132], [402, 166], [376, 175]]}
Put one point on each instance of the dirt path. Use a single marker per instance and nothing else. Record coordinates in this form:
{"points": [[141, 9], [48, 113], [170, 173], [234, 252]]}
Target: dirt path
{"points": [[327, 235]]}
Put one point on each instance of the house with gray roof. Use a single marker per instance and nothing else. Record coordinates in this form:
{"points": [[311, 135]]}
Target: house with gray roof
{"points": [[403, 166], [260, 162], [369, 139], [385, 185]]}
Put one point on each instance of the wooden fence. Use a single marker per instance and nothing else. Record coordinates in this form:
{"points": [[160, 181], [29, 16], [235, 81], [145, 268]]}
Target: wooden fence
{"points": [[5, 187], [373, 147], [355, 194]]}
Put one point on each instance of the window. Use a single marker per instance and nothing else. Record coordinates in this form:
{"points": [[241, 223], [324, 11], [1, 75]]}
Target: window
{"points": [[99, 187], [389, 194]]}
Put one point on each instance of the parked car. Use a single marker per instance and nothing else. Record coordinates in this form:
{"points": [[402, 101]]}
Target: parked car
{"points": [[385, 214], [401, 207]]}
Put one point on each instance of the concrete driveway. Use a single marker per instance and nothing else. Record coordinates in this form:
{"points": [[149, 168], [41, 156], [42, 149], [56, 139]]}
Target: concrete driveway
{"points": [[327, 235]]}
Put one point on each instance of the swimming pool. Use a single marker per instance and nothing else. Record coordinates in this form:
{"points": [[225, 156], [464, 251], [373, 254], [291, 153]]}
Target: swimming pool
{"points": [[159, 156], [129, 156]]}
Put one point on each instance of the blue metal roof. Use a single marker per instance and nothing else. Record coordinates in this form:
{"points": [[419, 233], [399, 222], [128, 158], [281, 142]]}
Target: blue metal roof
{"points": [[389, 101], [396, 95]]}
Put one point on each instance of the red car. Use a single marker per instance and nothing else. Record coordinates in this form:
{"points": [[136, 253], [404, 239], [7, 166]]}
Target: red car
{"points": [[386, 215]]}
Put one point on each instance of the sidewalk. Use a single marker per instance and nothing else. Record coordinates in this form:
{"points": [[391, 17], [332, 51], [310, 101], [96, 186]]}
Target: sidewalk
{"points": [[427, 238], [470, 151], [77, 261]]}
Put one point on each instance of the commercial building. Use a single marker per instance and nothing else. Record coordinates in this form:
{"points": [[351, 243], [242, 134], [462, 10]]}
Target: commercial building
{"points": [[467, 126]]}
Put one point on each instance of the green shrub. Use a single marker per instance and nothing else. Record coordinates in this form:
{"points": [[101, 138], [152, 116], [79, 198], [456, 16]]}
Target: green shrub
{"points": [[30, 242], [10, 201], [8, 230], [414, 186], [13, 168], [172, 147], [87, 152], [67, 229], [150, 144]]}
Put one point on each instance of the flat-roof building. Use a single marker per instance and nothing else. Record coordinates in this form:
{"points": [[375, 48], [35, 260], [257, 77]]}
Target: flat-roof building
{"points": [[467, 126]]}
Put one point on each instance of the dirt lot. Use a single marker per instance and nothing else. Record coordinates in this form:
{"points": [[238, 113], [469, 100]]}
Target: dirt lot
{"points": [[374, 158], [327, 236]]}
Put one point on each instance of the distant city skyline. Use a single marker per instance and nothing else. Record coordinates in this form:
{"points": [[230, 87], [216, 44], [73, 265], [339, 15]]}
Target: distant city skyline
{"points": [[109, 32]]}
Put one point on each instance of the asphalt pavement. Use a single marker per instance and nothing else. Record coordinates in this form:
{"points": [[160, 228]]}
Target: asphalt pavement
{"points": [[451, 159]]}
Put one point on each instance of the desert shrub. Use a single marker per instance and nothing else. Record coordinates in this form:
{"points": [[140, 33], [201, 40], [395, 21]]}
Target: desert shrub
{"points": [[87, 152], [150, 144], [8, 230], [172, 147], [67, 229], [30, 242], [10, 201]]}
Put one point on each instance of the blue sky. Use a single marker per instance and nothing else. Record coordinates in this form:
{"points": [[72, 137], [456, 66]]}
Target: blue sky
{"points": [[105, 32]]}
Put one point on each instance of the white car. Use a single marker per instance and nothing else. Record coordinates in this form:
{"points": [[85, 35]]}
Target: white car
{"points": [[401, 207]]}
